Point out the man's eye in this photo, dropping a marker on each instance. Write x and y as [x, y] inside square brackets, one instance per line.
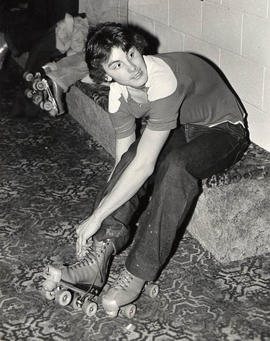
[131, 54]
[117, 65]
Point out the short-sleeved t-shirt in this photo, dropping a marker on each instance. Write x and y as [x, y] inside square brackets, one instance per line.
[181, 86]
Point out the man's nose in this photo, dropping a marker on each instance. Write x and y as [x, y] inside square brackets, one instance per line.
[131, 67]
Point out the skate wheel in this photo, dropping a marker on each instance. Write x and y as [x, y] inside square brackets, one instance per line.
[89, 308]
[53, 112]
[37, 98]
[128, 311]
[40, 85]
[28, 76]
[151, 290]
[76, 301]
[47, 105]
[34, 84]
[63, 297]
[49, 295]
[28, 93]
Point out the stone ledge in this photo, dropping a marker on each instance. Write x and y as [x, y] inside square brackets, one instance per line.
[92, 118]
[232, 222]
[232, 216]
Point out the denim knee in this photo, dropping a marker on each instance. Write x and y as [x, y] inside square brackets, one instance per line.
[173, 162]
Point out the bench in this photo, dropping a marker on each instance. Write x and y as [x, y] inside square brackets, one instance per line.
[232, 217]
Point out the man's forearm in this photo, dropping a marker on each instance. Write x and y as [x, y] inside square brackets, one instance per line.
[128, 184]
[135, 175]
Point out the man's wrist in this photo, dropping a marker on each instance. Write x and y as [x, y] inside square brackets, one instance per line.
[98, 216]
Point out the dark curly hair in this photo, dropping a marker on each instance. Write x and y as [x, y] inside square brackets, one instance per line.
[102, 38]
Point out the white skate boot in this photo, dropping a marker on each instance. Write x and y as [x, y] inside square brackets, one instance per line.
[124, 291]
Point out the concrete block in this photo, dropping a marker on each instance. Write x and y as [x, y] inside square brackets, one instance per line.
[256, 39]
[154, 9]
[185, 16]
[102, 11]
[142, 21]
[255, 7]
[217, 2]
[266, 94]
[259, 123]
[245, 76]
[222, 27]
[196, 45]
[170, 39]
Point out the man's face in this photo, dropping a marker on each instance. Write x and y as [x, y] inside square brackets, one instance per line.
[126, 68]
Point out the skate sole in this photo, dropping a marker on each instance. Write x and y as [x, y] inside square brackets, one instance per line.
[129, 310]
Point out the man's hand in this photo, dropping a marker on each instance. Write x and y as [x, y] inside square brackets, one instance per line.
[84, 231]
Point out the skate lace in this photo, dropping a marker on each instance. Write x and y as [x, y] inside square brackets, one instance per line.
[91, 256]
[88, 259]
[123, 280]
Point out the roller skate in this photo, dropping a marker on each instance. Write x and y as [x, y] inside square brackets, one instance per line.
[79, 284]
[126, 289]
[44, 92]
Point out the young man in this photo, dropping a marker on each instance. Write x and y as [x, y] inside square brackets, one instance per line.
[194, 127]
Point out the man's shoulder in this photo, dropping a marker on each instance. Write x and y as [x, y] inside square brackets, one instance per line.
[162, 81]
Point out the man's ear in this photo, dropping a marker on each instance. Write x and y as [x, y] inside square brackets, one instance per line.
[108, 78]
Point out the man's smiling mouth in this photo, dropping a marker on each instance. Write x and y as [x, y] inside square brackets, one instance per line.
[137, 75]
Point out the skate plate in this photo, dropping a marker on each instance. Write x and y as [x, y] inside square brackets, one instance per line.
[80, 297]
[40, 93]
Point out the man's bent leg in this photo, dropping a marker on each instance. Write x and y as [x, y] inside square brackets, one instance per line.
[139, 267]
[175, 188]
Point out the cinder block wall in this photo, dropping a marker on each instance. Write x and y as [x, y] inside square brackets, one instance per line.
[235, 34]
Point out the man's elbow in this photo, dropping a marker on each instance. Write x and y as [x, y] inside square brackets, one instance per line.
[150, 170]
[144, 166]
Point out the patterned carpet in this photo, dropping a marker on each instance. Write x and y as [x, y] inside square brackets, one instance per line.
[50, 172]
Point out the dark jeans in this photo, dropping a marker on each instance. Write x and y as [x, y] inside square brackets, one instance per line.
[191, 153]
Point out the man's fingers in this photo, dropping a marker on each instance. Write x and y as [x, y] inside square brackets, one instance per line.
[78, 244]
[81, 242]
[84, 231]
[78, 229]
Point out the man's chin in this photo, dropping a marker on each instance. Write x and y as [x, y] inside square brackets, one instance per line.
[135, 83]
[139, 83]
